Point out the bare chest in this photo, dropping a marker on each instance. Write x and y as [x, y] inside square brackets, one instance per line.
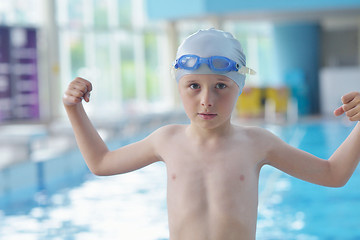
[219, 176]
[213, 188]
[221, 163]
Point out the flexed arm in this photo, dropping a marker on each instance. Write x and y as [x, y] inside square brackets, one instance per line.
[334, 172]
[89, 142]
[99, 159]
[346, 158]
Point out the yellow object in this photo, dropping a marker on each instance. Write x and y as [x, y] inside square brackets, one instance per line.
[249, 103]
[280, 96]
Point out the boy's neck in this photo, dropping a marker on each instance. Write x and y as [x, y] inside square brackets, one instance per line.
[204, 135]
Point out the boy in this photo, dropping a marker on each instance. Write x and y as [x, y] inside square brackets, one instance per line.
[212, 165]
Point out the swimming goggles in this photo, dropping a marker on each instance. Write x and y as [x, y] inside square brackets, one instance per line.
[216, 64]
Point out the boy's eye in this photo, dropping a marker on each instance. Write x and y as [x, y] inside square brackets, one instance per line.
[194, 86]
[220, 86]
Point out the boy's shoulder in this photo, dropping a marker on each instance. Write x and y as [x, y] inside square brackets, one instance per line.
[257, 139]
[166, 135]
[253, 133]
[169, 130]
[250, 129]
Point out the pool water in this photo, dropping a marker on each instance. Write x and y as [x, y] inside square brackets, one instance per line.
[294, 209]
[133, 205]
[118, 207]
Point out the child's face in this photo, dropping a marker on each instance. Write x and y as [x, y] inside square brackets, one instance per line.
[208, 99]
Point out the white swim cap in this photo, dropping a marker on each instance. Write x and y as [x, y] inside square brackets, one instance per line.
[212, 42]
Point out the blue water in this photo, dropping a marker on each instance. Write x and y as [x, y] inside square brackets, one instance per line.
[126, 206]
[133, 206]
[294, 209]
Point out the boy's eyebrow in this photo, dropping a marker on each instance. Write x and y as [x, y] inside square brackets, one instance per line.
[190, 81]
[223, 79]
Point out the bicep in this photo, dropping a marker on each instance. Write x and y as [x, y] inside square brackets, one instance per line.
[298, 163]
[128, 158]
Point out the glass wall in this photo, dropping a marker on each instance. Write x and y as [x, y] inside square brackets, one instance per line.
[257, 41]
[126, 56]
[19, 12]
[110, 43]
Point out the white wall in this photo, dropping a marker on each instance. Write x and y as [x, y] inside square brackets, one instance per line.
[334, 83]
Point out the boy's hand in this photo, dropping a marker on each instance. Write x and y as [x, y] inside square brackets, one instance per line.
[351, 106]
[77, 90]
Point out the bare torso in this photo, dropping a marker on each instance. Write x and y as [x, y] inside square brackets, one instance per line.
[212, 187]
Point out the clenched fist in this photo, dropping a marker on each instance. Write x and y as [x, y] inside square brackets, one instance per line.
[351, 106]
[77, 90]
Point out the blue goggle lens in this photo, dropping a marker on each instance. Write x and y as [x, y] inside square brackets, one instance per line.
[188, 62]
[215, 63]
[220, 63]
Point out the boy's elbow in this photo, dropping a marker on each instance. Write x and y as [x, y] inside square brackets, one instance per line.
[336, 177]
[97, 165]
[98, 172]
[94, 170]
[338, 182]
[337, 185]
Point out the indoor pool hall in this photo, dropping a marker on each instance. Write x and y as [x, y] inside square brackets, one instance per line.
[200, 120]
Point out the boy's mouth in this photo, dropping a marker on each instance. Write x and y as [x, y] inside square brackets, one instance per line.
[207, 116]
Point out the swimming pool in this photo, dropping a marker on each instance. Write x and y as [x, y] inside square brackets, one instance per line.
[293, 209]
[133, 206]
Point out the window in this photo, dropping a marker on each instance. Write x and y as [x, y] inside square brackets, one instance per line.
[256, 40]
[19, 12]
[151, 67]
[108, 42]
[127, 67]
[77, 52]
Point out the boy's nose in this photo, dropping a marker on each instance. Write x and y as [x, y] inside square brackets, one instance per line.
[207, 98]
